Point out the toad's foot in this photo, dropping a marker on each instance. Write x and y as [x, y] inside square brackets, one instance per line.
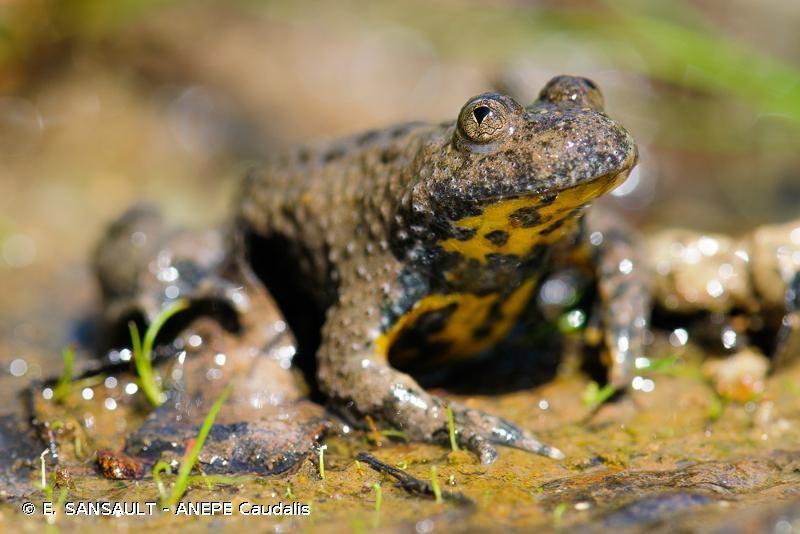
[425, 417]
[479, 432]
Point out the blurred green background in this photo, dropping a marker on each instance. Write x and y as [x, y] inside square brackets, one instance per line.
[104, 102]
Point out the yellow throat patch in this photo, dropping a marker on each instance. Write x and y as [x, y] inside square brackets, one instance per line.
[499, 217]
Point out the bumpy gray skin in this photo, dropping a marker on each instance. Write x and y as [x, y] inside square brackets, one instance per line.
[364, 220]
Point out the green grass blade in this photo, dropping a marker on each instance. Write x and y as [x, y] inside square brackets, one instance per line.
[451, 428]
[143, 350]
[378, 496]
[437, 491]
[378, 503]
[161, 467]
[182, 481]
[322, 449]
[158, 323]
[392, 433]
[64, 384]
[594, 395]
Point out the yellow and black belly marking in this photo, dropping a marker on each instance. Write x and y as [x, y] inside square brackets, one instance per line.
[447, 327]
[516, 226]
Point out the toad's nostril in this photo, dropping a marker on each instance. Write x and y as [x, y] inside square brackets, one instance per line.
[480, 113]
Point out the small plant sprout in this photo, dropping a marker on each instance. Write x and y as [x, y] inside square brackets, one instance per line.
[665, 366]
[378, 502]
[322, 449]
[374, 434]
[204, 478]
[161, 467]
[451, 428]
[289, 494]
[44, 467]
[143, 350]
[210, 480]
[182, 480]
[63, 386]
[558, 514]
[49, 488]
[378, 497]
[392, 433]
[594, 396]
[716, 407]
[358, 466]
[437, 491]
[62, 498]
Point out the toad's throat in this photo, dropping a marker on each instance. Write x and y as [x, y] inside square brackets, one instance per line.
[516, 226]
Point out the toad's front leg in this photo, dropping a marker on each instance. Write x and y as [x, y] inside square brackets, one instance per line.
[774, 268]
[354, 372]
[624, 289]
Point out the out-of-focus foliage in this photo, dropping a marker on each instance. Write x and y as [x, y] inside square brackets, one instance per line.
[674, 45]
[711, 91]
[666, 41]
[34, 31]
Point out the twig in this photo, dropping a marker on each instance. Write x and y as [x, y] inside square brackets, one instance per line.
[412, 484]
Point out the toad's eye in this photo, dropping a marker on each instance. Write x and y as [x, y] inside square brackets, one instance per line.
[572, 92]
[484, 119]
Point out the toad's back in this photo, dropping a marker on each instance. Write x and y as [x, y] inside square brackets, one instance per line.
[333, 203]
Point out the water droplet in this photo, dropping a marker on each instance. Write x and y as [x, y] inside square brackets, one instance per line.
[213, 374]
[576, 318]
[715, 288]
[172, 292]
[708, 246]
[729, 338]
[18, 367]
[679, 337]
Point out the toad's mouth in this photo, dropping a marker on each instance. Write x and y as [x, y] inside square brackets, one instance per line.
[574, 191]
[574, 196]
